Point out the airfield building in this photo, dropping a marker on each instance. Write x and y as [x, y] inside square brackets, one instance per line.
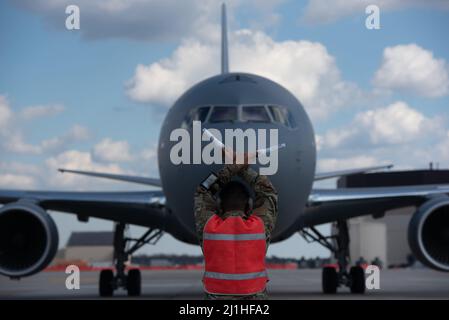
[386, 238]
[91, 247]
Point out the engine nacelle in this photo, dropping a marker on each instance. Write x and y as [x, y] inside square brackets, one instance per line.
[28, 239]
[428, 233]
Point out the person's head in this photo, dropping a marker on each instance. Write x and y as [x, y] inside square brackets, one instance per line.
[234, 196]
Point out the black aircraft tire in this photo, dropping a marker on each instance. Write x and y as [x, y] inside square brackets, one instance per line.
[329, 280]
[105, 284]
[133, 283]
[357, 275]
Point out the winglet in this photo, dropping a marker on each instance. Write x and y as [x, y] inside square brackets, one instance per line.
[224, 41]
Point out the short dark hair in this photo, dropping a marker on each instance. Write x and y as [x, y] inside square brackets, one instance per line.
[234, 196]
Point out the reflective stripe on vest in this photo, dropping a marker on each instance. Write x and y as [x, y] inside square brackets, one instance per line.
[234, 254]
[235, 276]
[234, 237]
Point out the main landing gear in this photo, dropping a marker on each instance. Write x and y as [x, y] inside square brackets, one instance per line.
[338, 244]
[109, 282]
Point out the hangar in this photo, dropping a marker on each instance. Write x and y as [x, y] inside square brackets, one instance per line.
[385, 237]
[91, 247]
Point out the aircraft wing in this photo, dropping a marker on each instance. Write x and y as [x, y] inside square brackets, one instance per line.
[119, 177]
[336, 174]
[329, 205]
[145, 208]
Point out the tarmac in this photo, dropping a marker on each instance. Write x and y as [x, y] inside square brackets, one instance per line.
[186, 284]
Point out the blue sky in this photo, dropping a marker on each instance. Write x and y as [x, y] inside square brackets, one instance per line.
[67, 96]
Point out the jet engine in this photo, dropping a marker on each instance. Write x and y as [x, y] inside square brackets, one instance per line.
[28, 239]
[428, 233]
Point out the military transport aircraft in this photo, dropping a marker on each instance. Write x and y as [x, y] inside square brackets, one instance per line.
[29, 237]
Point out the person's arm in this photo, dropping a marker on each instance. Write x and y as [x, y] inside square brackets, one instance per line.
[266, 199]
[205, 204]
[205, 207]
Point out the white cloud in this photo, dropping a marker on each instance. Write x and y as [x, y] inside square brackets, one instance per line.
[395, 124]
[45, 175]
[18, 175]
[318, 142]
[443, 149]
[335, 138]
[108, 150]
[162, 82]
[411, 68]
[396, 134]
[14, 142]
[149, 153]
[149, 20]
[5, 113]
[333, 164]
[75, 160]
[19, 168]
[33, 112]
[104, 156]
[12, 139]
[75, 134]
[79, 132]
[319, 11]
[132, 19]
[12, 181]
[305, 68]
[405, 156]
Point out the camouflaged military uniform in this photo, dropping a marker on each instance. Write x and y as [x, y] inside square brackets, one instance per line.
[265, 207]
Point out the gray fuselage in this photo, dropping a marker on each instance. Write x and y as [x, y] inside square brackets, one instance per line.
[296, 163]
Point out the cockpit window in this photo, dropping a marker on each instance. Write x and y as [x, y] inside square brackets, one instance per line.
[201, 114]
[255, 114]
[291, 120]
[223, 114]
[198, 114]
[244, 113]
[282, 115]
[278, 115]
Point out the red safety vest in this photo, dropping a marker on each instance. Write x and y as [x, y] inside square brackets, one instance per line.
[234, 253]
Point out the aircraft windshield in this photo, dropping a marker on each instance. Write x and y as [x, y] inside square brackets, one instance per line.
[282, 116]
[223, 114]
[255, 114]
[198, 114]
[244, 113]
[201, 114]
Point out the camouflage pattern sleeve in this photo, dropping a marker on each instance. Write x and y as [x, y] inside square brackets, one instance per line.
[266, 199]
[205, 207]
[205, 204]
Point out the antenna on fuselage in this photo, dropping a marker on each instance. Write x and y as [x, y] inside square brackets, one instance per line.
[224, 41]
